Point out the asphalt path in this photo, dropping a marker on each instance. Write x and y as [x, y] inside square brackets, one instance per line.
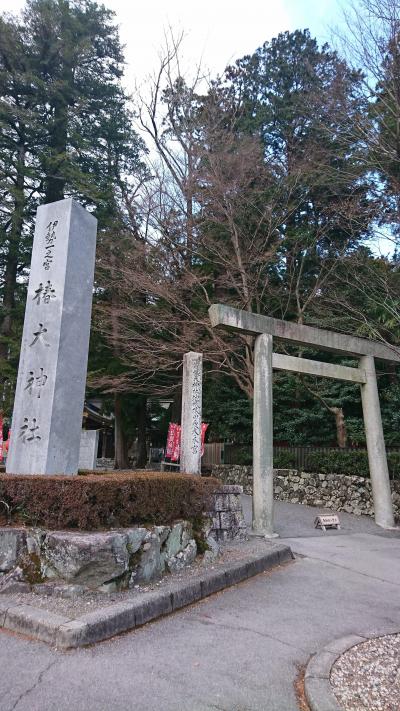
[239, 650]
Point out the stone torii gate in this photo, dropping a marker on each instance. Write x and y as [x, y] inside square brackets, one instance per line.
[266, 328]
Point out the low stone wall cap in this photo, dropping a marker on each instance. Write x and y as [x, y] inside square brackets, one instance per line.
[230, 489]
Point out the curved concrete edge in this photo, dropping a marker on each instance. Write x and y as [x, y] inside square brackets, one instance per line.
[317, 686]
[105, 622]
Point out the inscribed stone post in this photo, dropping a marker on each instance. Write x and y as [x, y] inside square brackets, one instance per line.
[190, 457]
[47, 418]
[88, 449]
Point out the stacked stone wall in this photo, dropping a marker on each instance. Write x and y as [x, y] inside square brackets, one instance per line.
[338, 492]
[228, 522]
[109, 561]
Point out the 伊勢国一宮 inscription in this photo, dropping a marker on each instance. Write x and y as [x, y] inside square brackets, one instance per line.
[50, 240]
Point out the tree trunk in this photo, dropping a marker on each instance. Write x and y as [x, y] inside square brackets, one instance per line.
[176, 407]
[341, 433]
[121, 450]
[13, 256]
[141, 434]
[61, 101]
[55, 176]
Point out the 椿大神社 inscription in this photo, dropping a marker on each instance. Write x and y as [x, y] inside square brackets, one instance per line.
[47, 418]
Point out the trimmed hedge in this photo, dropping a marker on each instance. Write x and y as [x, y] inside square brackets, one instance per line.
[282, 460]
[353, 462]
[103, 500]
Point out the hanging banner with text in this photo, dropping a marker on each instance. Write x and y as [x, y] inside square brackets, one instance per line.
[170, 440]
[1, 439]
[176, 448]
[204, 427]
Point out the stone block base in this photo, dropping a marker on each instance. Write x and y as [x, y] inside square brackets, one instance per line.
[107, 561]
[228, 522]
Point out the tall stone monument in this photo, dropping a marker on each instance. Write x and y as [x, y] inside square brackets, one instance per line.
[47, 418]
[190, 458]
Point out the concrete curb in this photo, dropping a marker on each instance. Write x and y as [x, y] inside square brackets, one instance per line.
[317, 684]
[122, 616]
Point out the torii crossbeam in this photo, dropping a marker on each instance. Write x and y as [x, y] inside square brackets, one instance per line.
[265, 329]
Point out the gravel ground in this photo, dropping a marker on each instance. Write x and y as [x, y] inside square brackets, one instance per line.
[80, 604]
[367, 677]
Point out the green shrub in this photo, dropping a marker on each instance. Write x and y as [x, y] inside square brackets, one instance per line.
[285, 460]
[393, 459]
[282, 460]
[350, 462]
[244, 456]
[338, 462]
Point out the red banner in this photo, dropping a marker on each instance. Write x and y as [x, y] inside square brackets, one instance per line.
[170, 440]
[176, 450]
[172, 449]
[204, 427]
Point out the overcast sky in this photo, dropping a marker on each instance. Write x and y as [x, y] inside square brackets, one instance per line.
[217, 31]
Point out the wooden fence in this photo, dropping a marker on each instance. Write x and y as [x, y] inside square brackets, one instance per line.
[213, 453]
[223, 453]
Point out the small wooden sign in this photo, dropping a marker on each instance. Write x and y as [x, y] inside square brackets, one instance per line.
[325, 521]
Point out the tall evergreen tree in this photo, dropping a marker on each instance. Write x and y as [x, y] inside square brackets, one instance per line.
[67, 131]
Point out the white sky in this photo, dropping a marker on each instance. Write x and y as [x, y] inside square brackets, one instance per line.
[217, 31]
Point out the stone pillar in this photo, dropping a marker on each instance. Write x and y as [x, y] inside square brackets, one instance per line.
[376, 446]
[48, 407]
[190, 456]
[263, 473]
[88, 449]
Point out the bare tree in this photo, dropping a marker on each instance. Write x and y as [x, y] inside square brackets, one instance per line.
[224, 220]
[371, 43]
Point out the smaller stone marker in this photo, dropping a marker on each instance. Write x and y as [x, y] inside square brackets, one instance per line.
[48, 406]
[190, 455]
[88, 449]
[325, 521]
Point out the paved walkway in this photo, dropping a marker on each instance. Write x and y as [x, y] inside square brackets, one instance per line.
[239, 650]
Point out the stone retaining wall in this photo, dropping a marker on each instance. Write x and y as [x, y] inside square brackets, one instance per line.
[114, 560]
[106, 561]
[333, 491]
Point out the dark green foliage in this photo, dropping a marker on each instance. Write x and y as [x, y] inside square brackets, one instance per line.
[351, 462]
[65, 130]
[227, 410]
[284, 460]
[236, 454]
[241, 455]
